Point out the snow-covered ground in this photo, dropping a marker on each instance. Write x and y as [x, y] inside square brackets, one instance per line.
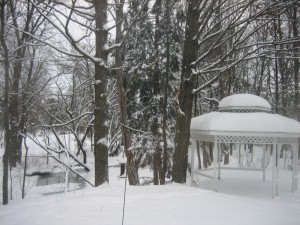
[242, 198]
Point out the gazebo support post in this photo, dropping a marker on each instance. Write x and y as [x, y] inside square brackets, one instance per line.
[219, 160]
[192, 163]
[264, 162]
[274, 171]
[239, 154]
[215, 164]
[295, 168]
[278, 149]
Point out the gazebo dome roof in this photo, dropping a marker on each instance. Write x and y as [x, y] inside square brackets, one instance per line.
[244, 103]
[239, 124]
[244, 115]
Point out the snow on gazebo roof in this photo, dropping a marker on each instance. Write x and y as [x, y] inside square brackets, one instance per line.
[244, 115]
[244, 103]
[238, 124]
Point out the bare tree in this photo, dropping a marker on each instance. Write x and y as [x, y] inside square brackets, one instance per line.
[94, 17]
[19, 22]
[6, 103]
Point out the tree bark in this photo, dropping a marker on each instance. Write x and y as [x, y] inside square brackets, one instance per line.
[5, 106]
[157, 160]
[25, 168]
[165, 94]
[132, 165]
[296, 64]
[101, 108]
[15, 145]
[184, 99]
[226, 153]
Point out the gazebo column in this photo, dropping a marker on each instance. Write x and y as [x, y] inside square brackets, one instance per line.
[278, 149]
[215, 150]
[275, 170]
[219, 160]
[295, 168]
[264, 162]
[192, 163]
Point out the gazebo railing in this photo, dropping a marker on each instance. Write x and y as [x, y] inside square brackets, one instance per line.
[244, 139]
[277, 142]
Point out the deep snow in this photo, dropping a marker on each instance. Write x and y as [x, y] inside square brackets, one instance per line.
[241, 199]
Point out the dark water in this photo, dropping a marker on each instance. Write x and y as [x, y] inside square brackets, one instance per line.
[59, 177]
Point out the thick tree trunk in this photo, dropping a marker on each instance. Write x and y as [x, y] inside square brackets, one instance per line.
[5, 180]
[182, 137]
[157, 160]
[5, 106]
[132, 167]
[184, 99]
[15, 145]
[16, 141]
[165, 101]
[101, 109]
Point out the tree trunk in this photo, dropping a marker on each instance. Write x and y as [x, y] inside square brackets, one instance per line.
[100, 108]
[205, 154]
[16, 142]
[25, 168]
[132, 167]
[296, 64]
[276, 69]
[157, 161]
[5, 180]
[165, 101]
[211, 152]
[5, 106]
[184, 99]
[15, 145]
[226, 154]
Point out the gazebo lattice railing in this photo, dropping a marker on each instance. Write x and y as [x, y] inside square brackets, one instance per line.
[277, 142]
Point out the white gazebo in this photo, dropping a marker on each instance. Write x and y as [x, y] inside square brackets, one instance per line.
[246, 119]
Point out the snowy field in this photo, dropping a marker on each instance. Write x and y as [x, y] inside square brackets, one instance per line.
[242, 199]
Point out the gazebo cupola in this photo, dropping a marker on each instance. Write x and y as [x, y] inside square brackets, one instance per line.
[244, 103]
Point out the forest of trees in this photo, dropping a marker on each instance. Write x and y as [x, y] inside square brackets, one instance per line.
[136, 72]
